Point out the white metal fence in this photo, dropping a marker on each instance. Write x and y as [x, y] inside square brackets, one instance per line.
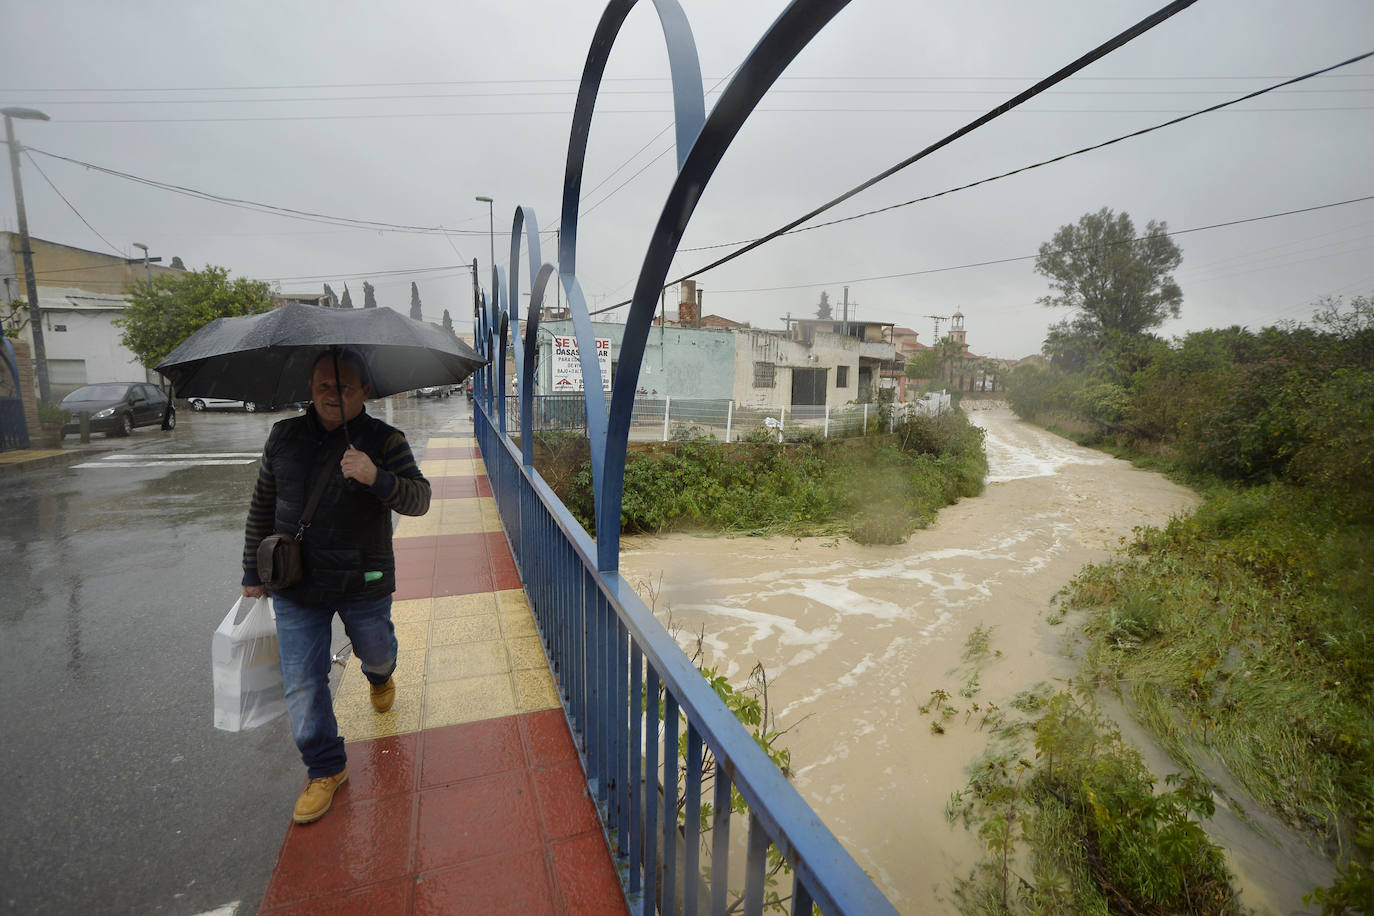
[676, 419]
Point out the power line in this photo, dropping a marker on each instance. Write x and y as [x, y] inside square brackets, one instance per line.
[255, 206]
[282, 100]
[1060, 158]
[1164, 13]
[71, 206]
[629, 79]
[367, 274]
[1028, 257]
[563, 113]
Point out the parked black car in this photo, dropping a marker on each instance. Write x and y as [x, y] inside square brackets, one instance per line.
[116, 407]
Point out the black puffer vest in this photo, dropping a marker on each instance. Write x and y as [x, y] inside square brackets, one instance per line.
[351, 532]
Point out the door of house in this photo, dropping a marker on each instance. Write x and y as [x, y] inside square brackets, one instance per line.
[14, 431]
[808, 387]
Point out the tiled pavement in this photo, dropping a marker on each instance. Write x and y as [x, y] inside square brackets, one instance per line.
[467, 796]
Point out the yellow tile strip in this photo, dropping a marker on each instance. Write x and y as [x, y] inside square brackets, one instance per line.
[452, 516]
[451, 467]
[463, 658]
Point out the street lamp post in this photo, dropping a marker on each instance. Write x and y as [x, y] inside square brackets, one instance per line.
[40, 352]
[147, 268]
[491, 227]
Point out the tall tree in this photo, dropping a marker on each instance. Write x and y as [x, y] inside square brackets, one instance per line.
[347, 301]
[369, 296]
[924, 364]
[330, 300]
[1117, 282]
[448, 323]
[176, 263]
[823, 311]
[415, 310]
[165, 312]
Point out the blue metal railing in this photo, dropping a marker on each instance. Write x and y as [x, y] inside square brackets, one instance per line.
[612, 661]
[610, 658]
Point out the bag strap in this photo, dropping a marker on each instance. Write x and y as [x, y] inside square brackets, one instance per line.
[326, 472]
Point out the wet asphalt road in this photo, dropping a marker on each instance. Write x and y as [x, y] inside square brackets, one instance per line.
[119, 795]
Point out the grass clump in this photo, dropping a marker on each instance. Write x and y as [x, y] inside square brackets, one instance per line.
[1246, 632]
[1082, 827]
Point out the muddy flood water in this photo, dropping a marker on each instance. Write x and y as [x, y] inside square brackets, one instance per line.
[855, 638]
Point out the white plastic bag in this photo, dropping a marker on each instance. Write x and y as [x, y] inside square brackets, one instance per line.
[243, 653]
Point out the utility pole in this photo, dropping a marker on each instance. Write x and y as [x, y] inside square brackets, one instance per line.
[40, 352]
[146, 262]
[476, 301]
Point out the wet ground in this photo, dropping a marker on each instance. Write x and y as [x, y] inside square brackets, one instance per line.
[120, 796]
[854, 639]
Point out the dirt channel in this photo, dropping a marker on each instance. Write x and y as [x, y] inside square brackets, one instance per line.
[855, 638]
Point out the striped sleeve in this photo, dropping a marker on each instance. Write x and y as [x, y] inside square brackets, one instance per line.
[399, 484]
[261, 515]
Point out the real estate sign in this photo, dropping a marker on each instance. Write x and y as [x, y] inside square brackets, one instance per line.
[567, 368]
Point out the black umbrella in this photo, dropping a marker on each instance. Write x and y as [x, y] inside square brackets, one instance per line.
[268, 358]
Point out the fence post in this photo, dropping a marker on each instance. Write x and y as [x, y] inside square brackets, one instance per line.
[667, 402]
[864, 432]
[729, 416]
[782, 421]
[827, 422]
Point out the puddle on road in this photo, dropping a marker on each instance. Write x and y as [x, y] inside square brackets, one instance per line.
[854, 638]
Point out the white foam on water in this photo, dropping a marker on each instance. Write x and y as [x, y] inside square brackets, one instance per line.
[1045, 456]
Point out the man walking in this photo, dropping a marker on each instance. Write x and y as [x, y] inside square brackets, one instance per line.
[350, 569]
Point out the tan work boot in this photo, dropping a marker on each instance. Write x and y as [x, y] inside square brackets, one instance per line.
[383, 695]
[317, 796]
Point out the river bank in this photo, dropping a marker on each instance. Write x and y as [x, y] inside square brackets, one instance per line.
[855, 638]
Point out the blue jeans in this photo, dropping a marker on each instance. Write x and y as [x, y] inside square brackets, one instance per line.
[303, 636]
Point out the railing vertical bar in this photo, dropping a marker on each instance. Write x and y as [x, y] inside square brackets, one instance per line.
[627, 721]
[615, 690]
[596, 716]
[635, 784]
[754, 866]
[670, 770]
[591, 727]
[606, 713]
[720, 842]
[802, 904]
[691, 850]
[578, 635]
[651, 803]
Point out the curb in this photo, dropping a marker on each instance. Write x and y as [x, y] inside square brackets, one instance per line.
[25, 460]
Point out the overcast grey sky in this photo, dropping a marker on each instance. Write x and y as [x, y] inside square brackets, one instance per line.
[405, 112]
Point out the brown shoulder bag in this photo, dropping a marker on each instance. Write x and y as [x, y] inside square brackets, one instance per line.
[279, 555]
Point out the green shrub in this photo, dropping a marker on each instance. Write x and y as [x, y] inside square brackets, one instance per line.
[1096, 834]
[879, 489]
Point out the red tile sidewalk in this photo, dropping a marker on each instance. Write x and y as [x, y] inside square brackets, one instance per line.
[488, 815]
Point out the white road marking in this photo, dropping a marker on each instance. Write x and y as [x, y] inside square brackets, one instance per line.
[139, 456]
[167, 464]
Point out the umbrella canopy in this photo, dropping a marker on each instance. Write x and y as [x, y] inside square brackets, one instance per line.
[268, 358]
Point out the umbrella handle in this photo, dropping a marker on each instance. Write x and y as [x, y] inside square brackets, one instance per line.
[338, 386]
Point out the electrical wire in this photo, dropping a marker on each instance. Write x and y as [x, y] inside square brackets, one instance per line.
[1102, 50]
[563, 113]
[1029, 257]
[70, 205]
[1060, 158]
[612, 92]
[255, 206]
[622, 79]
